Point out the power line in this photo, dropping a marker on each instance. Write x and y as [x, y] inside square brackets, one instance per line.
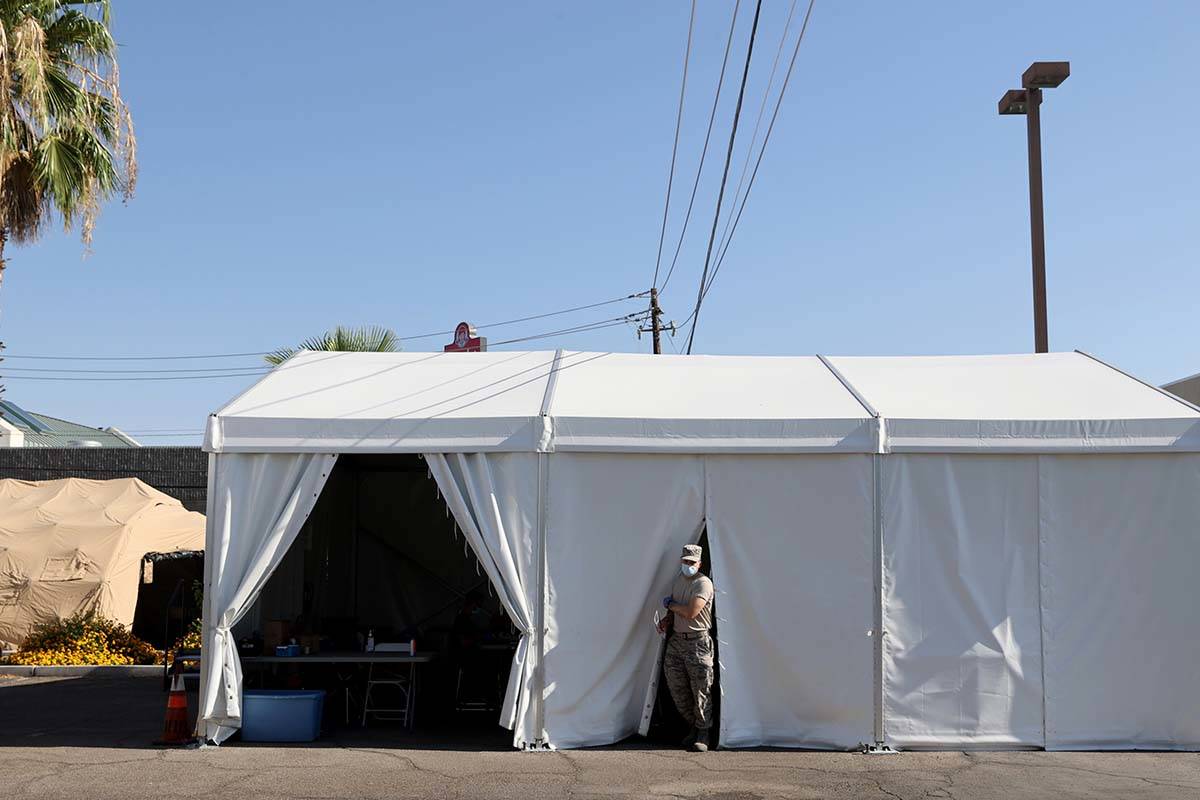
[160, 435]
[687, 54]
[127, 371]
[135, 358]
[592, 326]
[774, 115]
[762, 108]
[133, 378]
[704, 151]
[75, 435]
[737, 113]
[634, 296]
[259, 371]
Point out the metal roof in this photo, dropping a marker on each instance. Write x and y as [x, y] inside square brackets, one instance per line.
[45, 431]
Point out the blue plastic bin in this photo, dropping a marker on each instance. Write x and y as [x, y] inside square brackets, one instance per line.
[281, 715]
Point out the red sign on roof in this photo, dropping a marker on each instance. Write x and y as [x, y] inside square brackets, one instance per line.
[466, 340]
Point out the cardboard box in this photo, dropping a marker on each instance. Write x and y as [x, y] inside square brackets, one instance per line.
[275, 633]
[309, 643]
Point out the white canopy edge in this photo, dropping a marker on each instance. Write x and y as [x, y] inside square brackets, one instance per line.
[461, 435]
[1037, 436]
[586, 435]
[1066, 403]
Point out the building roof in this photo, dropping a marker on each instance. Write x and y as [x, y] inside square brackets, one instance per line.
[1188, 388]
[42, 430]
[622, 402]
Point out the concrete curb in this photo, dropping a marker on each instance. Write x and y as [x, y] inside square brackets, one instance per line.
[123, 671]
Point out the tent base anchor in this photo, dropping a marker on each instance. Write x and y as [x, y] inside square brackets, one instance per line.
[538, 746]
[877, 749]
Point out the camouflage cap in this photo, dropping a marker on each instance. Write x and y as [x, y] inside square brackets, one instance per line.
[691, 552]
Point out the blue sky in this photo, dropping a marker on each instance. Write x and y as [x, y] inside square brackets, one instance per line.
[414, 164]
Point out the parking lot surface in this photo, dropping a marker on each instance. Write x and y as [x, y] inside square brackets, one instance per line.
[92, 737]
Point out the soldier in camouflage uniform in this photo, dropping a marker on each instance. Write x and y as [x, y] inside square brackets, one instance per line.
[688, 664]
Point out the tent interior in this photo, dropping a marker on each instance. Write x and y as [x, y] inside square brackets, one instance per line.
[380, 557]
[168, 596]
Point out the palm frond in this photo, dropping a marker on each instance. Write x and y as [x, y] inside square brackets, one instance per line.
[76, 34]
[369, 339]
[66, 134]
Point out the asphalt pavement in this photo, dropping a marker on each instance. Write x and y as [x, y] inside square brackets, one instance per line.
[92, 738]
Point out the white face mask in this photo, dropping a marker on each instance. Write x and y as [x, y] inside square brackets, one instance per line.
[689, 570]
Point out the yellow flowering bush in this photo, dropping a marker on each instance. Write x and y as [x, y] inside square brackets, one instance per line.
[189, 641]
[87, 639]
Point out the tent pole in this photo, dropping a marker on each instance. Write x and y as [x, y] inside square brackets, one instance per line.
[877, 632]
[1037, 464]
[540, 738]
[206, 618]
[877, 586]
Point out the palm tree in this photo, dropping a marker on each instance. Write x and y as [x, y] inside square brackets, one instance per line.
[66, 136]
[373, 339]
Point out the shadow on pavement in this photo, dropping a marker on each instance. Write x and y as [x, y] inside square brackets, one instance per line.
[90, 711]
[128, 712]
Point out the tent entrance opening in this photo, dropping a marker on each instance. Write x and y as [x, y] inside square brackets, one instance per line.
[667, 725]
[387, 608]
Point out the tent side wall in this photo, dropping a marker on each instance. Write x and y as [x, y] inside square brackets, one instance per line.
[1120, 551]
[615, 527]
[962, 659]
[792, 557]
[1041, 601]
[787, 533]
[997, 569]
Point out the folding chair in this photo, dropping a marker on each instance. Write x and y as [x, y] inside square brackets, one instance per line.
[400, 678]
[472, 689]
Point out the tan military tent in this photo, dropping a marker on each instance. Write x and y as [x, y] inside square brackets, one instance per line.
[76, 545]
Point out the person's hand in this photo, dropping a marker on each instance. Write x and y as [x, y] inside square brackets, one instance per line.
[667, 601]
[662, 624]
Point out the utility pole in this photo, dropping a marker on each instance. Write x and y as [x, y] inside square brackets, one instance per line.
[656, 326]
[655, 323]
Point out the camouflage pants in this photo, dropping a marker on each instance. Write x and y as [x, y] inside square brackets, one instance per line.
[688, 667]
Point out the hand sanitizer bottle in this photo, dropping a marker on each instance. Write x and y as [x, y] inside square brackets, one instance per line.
[371, 640]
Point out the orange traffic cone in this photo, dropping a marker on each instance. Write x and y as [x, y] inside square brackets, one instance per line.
[175, 730]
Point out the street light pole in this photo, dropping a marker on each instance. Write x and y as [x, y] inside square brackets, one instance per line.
[1037, 222]
[1028, 101]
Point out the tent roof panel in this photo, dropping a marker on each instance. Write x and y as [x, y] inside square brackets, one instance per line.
[624, 402]
[360, 386]
[634, 386]
[1049, 386]
[631, 402]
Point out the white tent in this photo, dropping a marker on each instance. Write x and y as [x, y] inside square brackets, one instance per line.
[946, 551]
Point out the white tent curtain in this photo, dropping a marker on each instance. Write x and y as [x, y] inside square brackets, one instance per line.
[1120, 559]
[615, 527]
[962, 661]
[257, 504]
[791, 540]
[495, 500]
[997, 570]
